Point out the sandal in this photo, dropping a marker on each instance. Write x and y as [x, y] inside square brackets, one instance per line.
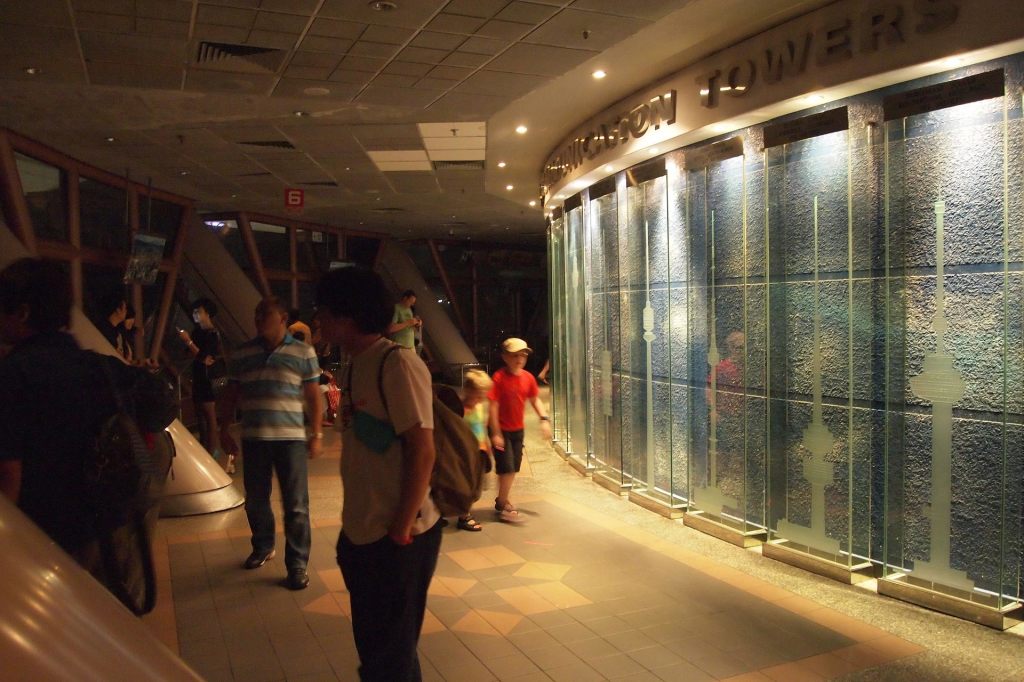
[506, 512]
[469, 523]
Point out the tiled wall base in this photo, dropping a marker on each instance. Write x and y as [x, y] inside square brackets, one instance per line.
[899, 587]
[698, 520]
[780, 550]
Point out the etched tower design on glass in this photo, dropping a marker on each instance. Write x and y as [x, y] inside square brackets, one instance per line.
[649, 336]
[943, 385]
[818, 441]
[710, 497]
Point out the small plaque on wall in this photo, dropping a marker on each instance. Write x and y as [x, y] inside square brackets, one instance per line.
[815, 125]
[943, 95]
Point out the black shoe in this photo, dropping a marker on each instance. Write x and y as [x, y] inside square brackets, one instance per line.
[257, 559]
[298, 579]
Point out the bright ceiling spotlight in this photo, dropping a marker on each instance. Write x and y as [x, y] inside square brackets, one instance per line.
[502, 164]
[509, 187]
[300, 114]
[533, 203]
[32, 70]
[609, 168]
[599, 74]
[521, 129]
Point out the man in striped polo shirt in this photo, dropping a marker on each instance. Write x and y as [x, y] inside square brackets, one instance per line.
[275, 376]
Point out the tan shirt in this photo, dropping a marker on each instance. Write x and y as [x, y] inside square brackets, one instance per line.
[372, 481]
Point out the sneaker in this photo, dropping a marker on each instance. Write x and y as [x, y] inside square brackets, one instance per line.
[230, 466]
[257, 559]
[297, 579]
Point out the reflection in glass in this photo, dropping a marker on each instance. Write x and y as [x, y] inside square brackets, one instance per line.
[162, 218]
[273, 246]
[103, 215]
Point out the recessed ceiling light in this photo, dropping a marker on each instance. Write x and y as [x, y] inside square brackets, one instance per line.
[182, 172]
[32, 70]
[814, 99]
[347, 168]
[608, 169]
[502, 164]
[382, 5]
[234, 196]
[110, 139]
[509, 187]
[654, 150]
[301, 114]
[952, 61]
[533, 203]
[521, 129]
[316, 91]
[599, 74]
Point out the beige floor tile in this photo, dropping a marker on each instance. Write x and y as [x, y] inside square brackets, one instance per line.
[499, 555]
[332, 579]
[431, 624]
[326, 605]
[470, 559]
[560, 595]
[457, 586]
[474, 623]
[526, 600]
[504, 623]
[542, 571]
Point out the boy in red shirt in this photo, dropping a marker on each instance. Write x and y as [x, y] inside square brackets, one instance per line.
[513, 386]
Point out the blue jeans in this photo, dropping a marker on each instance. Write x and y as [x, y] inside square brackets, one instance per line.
[387, 586]
[288, 458]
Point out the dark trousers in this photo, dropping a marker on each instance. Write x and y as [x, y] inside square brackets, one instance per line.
[288, 458]
[388, 585]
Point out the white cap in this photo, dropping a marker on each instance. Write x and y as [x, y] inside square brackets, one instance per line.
[514, 345]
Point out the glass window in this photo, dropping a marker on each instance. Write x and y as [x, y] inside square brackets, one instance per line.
[161, 218]
[103, 215]
[46, 196]
[362, 250]
[99, 283]
[314, 251]
[282, 288]
[272, 244]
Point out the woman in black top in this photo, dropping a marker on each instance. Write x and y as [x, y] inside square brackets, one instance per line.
[207, 355]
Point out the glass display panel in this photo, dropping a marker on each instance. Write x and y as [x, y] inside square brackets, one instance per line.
[575, 337]
[820, 361]
[103, 216]
[603, 333]
[559, 417]
[726, 338]
[644, 373]
[162, 218]
[954, 250]
[273, 245]
[46, 196]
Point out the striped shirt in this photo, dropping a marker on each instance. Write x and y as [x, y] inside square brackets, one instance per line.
[271, 387]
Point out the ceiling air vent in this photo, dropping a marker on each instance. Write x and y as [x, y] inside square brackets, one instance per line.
[261, 174]
[388, 209]
[264, 59]
[320, 183]
[458, 165]
[278, 144]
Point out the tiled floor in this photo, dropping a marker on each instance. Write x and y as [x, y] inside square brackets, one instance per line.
[589, 587]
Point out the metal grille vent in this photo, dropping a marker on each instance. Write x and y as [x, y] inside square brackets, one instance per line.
[278, 144]
[261, 174]
[320, 183]
[216, 54]
[458, 165]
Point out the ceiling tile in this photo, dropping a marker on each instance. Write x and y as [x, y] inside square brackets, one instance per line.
[296, 87]
[35, 12]
[467, 59]
[314, 59]
[407, 68]
[403, 155]
[126, 7]
[162, 27]
[283, 41]
[400, 166]
[201, 80]
[394, 80]
[450, 72]
[305, 7]
[221, 34]
[482, 45]
[539, 59]
[506, 30]
[437, 41]
[456, 154]
[648, 9]
[170, 10]
[399, 97]
[529, 13]
[499, 83]
[282, 23]
[388, 34]
[131, 49]
[566, 29]
[117, 23]
[369, 134]
[410, 13]
[326, 44]
[351, 77]
[225, 16]
[422, 55]
[454, 23]
[337, 29]
[463, 130]
[414, 182]
[129, 75]
[234, 3]
[439, 84]
[475, 8]
[313, 73]
[363, 48]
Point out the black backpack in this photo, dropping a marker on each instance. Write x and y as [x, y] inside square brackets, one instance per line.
[457, 480]
[124, 477]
